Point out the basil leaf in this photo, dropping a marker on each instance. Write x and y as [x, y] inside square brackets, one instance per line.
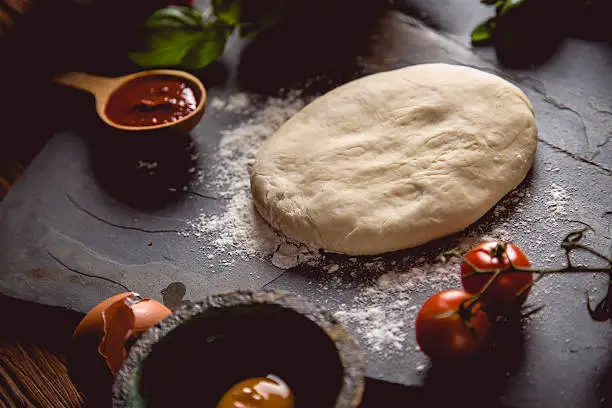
[185, 36]
[483, 33]
[176, 17]
[506, 6]
[209, 47]
[499, 6]
[166, 47]
[228, 11]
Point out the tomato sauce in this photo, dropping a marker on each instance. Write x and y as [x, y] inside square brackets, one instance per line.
[152, 100]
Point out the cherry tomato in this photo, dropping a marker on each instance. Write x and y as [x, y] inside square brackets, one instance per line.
[447, 328]
[509, 288]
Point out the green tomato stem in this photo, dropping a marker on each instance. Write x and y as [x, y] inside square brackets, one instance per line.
[569, 244]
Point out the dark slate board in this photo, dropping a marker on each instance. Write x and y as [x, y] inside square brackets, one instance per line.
[58, 220]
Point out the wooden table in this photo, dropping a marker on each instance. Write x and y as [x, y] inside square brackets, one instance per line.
[34, 341]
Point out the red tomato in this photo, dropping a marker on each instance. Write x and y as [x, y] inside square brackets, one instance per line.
[492, 256]
[443, 326]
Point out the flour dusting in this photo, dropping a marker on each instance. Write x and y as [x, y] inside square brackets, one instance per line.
[239, 231]
[384, 310]
[558, 200]
[383, 314]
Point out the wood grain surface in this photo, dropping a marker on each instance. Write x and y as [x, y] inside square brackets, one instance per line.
[34, 377]
[34, 341]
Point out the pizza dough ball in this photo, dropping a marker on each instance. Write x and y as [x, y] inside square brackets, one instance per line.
[396, 159]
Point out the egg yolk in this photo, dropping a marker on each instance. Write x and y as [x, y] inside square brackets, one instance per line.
[258, 392]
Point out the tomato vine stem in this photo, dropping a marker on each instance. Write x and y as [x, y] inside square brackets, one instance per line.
[571, 243]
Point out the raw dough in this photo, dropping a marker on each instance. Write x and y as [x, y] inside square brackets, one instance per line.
[396, 159]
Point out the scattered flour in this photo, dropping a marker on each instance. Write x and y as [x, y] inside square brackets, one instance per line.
[558, 200]
[333, 268]
[382, 314]
[239, 230]
[217, 103]
[239, 145]
[146, 165]
[238, 102]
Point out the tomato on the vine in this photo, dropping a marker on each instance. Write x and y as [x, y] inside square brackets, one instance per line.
[509, 288]
[451, 325]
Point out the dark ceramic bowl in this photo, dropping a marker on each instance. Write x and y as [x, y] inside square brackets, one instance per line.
[194, 356]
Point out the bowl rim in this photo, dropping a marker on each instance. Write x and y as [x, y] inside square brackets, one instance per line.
[101, 105]
[125, 388]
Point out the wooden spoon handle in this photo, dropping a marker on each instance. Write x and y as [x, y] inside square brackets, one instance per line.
[99, 86]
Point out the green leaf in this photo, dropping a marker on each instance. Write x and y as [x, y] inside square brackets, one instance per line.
[209, 46]
[483, 33]
[503, 6]
[184, 36]
[177, 36]
[228, 11]
[165, 47]
[176, 17]
[509, 5]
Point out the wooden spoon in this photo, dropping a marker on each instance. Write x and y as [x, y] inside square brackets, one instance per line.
[102, 88]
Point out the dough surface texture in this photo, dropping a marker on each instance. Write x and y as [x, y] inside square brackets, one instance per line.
[395, 159]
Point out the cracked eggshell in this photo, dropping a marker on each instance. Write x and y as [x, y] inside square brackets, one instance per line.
[87, 368]
[147, 312]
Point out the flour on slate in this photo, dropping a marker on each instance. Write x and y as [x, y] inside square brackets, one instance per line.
[383, 314]
[239, 231]
[384, 311]
[558, 199]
